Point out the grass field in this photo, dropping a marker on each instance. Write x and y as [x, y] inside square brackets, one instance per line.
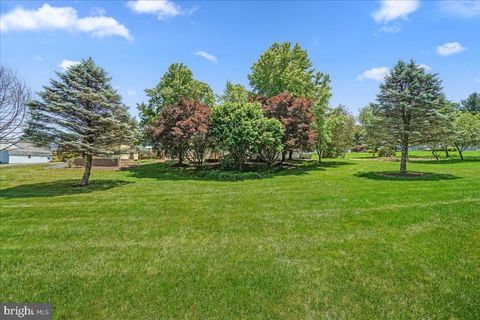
[338, 240]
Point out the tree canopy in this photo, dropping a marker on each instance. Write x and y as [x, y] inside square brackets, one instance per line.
[234, 93]
[296, 117]
[471, 104]
[283, 68]
[176, 83]
[182, 128]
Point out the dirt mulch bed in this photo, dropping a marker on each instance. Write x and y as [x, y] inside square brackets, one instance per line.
[407, 175]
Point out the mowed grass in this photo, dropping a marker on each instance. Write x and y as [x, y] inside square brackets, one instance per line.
[335, 241]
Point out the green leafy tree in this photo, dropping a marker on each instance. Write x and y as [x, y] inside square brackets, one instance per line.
[270, 140]
[283, 68]
[80, 113]
[467, 132]
[234, 93]
[176, 83]
[373, 134]
[240, 129]
[341, 128]
[471, 104]
[409, 100]
[322, 130]
[442, 129]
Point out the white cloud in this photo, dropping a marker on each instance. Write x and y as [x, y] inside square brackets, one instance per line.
[477, 80]
[97, 11]
[450, 48]
[207, 56]
[394, 9]
[464, 9]
[163, 9]
[65, 64]
[377, 74]
[131, 92]
[61, 18]
[390, 29]
[425, 67]
[38, 58]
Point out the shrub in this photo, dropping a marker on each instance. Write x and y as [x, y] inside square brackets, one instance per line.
[386, 152]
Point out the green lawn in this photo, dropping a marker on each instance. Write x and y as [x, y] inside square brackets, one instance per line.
[333, 241]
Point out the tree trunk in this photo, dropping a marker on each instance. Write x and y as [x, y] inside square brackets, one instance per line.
[88, 169]
[460, 153]
[284, 156]
[180, 157]
[446, 152]
[290, 154]
[403, 160]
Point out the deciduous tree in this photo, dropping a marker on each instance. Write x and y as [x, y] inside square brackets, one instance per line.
[341, 128]
[176, 83]
[471, 104]
[467, 132]
[283, 68]
[182, 130]
[373, 134]
[240, 129]
[14, 95]
[82, 114]
[234, 93]
[296, 116]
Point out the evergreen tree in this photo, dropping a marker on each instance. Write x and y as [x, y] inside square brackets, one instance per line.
[409, 100]
[82, 114]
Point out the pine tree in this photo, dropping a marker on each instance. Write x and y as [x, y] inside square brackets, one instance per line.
[410, 100]
[81, 113]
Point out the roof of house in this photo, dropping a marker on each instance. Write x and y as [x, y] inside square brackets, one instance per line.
[28, 149]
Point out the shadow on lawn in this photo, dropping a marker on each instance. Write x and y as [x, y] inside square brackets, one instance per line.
[164, 171]
[412, 176]
[58, 188]
[445, 161]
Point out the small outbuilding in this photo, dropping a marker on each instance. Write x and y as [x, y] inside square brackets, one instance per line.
[24, 152]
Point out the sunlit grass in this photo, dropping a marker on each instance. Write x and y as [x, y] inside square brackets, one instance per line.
[333, 240]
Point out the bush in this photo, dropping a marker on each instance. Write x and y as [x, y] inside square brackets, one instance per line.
[386, 152]
[241, 129]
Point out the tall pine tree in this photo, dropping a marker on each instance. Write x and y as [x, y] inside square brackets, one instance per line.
[81, 113]
[410, 100]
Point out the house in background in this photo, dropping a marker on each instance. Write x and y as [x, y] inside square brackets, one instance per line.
[124, 155]
[24, 152]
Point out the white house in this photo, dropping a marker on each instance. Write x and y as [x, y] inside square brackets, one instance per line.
[24, 152]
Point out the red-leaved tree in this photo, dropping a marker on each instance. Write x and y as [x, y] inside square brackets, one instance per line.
[296, 117]
[182, 130]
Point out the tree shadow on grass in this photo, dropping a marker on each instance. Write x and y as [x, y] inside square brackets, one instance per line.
[58, 188]
[165, 171]
[446, 161]
[412, 176]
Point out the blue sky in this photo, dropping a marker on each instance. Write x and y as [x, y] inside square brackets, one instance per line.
[355, 42]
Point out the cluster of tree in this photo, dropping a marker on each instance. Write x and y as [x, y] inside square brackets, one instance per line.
[412, 110]
[282, 113]
[81, 114]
